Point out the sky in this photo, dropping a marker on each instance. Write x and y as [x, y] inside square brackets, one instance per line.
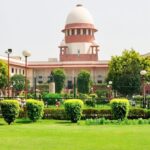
[36, 25]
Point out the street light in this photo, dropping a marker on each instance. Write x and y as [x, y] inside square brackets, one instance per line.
[143, 73]
[26, 54]
[74, 87]
[110, 88]
[9, 51]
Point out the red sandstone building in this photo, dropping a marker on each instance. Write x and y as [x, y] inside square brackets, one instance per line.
[78, 50]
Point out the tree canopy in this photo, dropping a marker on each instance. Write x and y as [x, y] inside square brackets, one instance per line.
[18, 82]
[3, 74]
[59, 79]
[124, 72]
[83, 81]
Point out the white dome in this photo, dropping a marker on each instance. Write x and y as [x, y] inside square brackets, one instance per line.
[79, 14]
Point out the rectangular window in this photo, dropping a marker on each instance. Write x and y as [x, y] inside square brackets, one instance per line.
[12, 70]
[84, 31]
[72, 32]
[70, 85]
[99, 81]
[78, 31]
[68, 33]
[40, 82]
[40, 77]
[89, 32]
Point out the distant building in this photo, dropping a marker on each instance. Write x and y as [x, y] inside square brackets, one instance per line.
[78, 50]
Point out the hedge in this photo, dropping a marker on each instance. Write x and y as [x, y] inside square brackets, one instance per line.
[88, 113]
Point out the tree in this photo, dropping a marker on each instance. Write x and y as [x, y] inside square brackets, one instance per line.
[83, 81]
[3, 74]
[18, 82]
[59, 79]
[124, 72]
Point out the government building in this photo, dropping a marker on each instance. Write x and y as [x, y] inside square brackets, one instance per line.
[78, 51]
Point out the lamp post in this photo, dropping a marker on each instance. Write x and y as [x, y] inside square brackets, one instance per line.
[9, 51]
[143, 73]
[26, 54]
[110, 88]
[74, 87]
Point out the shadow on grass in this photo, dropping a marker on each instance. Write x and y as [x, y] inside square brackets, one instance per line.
[23, 121]
[2, 124]
[63, 122]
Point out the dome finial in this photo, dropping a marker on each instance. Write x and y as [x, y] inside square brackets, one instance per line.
[79, 5]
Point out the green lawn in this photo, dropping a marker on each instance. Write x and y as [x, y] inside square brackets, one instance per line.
[61, 135]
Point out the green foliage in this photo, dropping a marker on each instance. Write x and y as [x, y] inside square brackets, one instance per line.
[3, 74]
[18, 82]
[101, 96]
[51, 98]
[90, 102]
[83, 81]
[97, 113]
[10, 110]
[124, 72]
[135, 113]
[93, 95]
[34, 109]
[73, 108]
[103, 121]
[59, 79]
[51, 113]
[120, 108]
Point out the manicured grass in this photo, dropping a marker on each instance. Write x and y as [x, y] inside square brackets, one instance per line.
[62, 135]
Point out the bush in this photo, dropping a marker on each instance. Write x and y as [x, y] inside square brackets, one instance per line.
[34, 109]
[73, 108]
[120, 108]
[10, 110]
[51, 98]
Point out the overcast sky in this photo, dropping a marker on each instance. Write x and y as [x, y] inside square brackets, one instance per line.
[36, 25]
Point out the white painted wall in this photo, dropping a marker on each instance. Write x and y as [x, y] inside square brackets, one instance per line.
[83, 47]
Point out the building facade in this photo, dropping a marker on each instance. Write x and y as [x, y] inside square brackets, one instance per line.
[78, 51]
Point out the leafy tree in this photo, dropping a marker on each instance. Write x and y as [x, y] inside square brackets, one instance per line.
[59, 79]
[3, 74]
[18, 82]
[83, 81]
[124, 72]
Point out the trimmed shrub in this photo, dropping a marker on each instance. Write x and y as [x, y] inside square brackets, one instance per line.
[34, 109]
[120, 108]
[73, 109]
[10, 110]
